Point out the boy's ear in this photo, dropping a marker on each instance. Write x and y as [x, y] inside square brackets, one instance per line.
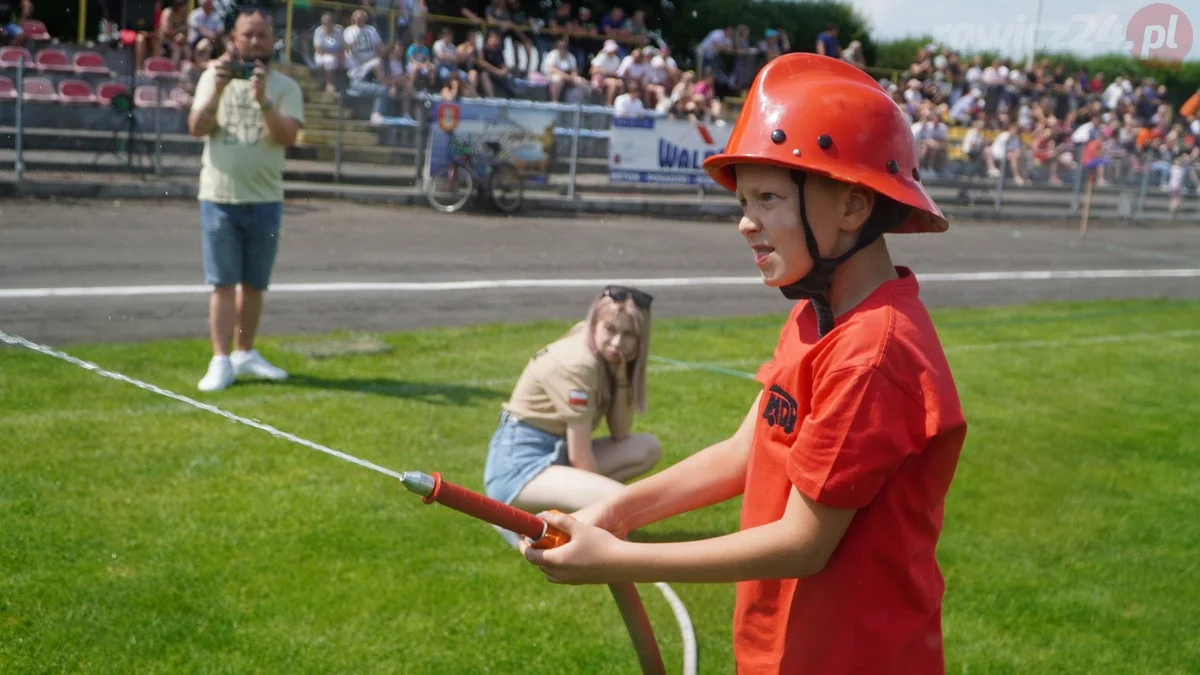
[858, 204]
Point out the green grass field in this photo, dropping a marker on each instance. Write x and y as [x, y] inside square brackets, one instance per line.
[140, 535]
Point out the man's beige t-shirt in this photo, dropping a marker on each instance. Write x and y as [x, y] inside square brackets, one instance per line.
[563, 384]
[241, 164]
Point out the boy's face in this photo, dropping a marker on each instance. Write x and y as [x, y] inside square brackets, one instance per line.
[771, 222]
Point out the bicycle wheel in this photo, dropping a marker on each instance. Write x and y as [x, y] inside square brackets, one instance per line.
[506, 187]
[450, 188]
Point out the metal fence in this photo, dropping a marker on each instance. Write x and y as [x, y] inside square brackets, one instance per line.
[342, 146]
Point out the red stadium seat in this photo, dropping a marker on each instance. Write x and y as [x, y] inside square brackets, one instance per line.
[8, 90]
[53, 60]
[35, 30]
[159, 66]
[10, 57]
[146, 96]
[87, 63]
[75, 92]
[39, 90]
[106, 91]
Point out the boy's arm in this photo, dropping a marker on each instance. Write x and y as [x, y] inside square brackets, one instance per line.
[797, 545]
[711, 476]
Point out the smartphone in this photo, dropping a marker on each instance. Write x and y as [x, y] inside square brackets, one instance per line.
[241, 70]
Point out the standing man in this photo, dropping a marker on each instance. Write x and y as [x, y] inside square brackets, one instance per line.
[248, 113]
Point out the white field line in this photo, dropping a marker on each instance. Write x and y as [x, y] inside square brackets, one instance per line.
[662, 365]
[499, 284]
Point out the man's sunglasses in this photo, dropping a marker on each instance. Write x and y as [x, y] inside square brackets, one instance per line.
[622, 293]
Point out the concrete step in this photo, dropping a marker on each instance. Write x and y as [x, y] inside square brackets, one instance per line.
[326, 111]
[323, 124]
[349, 138]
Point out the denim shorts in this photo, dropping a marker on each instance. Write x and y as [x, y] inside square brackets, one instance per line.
[239, 242]
[518, 452]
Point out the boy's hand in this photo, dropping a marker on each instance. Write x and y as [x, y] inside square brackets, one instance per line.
[602, 515]
[589, 558]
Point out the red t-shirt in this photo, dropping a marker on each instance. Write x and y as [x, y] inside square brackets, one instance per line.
[866, 418]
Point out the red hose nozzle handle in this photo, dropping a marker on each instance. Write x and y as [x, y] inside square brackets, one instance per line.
[495, 512]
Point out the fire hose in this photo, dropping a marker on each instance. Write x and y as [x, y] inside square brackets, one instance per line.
[433, 489]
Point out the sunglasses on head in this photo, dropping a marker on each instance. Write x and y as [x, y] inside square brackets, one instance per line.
[622, 293]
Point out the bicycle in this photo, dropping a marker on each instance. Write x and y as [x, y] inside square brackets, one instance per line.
[470, 174]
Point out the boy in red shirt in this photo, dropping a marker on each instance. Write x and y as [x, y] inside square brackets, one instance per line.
[845, 458]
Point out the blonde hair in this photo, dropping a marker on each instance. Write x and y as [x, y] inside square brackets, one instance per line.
[604, 306]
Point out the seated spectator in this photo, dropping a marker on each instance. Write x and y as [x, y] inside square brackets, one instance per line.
[1046, 152]
[202, 23]
[630, 104]
[10, 29]
[605, 72]
[173, 32]
[633, 68]
[468, 63]
[364, 59]
[499, 15]
[559, 66]
[495, 76]
[930, 134]
[445, 60]
[420, 69]
[191, 70]
[967, 107]
[973, 145]
[705, 96]
[661, 77]
[364, 49]
[329, 49]
[1006, 149]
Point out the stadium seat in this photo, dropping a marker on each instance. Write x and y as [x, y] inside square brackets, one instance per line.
[10, 57]
[145, 97]
[8, 90]
[87, 63]
[76, 92]
[39, 89]
[159, 66]
[35, 30]
[106, 91]
[53, 60]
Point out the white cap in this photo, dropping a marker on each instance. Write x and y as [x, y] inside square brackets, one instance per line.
[611, 46]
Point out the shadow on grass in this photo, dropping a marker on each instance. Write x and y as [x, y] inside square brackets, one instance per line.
[671, 536]
[427, 392]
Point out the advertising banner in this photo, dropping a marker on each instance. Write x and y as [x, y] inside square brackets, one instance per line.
[650, 150]
[524, 137]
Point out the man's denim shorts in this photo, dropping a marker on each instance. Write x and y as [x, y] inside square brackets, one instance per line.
[240, 242]
[518, 452]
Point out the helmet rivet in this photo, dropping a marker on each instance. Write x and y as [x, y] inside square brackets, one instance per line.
[892, 166]
[796, 152]
[778, 136]
[824, 141]
[916, 175]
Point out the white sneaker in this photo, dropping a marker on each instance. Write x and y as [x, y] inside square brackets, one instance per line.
[220, 374]
[252, 363]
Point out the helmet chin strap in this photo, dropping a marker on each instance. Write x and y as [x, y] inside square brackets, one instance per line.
[815, 285]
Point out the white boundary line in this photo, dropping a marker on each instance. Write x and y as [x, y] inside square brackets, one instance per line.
[498, 284]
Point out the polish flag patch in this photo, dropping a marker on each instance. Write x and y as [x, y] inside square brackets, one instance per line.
[577, 398]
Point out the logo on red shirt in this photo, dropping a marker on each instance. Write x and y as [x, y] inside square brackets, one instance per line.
[781, 409]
